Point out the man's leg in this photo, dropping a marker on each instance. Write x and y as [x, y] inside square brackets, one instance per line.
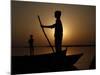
[57, 46]
[31, 51]
[58, 43]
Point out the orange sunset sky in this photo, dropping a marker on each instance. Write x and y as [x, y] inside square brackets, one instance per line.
[78, 23]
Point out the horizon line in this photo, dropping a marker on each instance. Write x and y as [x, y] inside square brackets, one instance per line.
[54, 46]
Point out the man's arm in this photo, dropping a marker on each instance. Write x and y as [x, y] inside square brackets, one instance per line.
[50, 26]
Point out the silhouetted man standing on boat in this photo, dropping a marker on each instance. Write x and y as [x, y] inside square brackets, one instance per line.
[58, 31]
[30, 41]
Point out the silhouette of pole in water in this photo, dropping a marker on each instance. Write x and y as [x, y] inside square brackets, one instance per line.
[58, 31]
[30, 41]
[45, 34]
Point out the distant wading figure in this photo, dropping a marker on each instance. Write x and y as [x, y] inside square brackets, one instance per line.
[30, 41]
[58, 31]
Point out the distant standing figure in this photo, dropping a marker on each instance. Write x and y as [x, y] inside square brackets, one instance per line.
[58, 31]
[30, 41]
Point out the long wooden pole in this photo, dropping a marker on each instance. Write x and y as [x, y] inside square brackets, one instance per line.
[45, 35]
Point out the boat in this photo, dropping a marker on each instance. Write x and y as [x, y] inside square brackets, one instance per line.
[43, 63]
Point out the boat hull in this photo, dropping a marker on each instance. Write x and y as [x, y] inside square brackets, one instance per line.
[43, 63]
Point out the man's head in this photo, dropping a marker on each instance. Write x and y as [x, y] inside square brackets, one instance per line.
[31, 36]
[57, 14]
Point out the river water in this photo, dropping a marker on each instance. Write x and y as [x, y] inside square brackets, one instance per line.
[83, 63]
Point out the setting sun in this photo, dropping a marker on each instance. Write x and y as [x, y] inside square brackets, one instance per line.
[65, 33]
